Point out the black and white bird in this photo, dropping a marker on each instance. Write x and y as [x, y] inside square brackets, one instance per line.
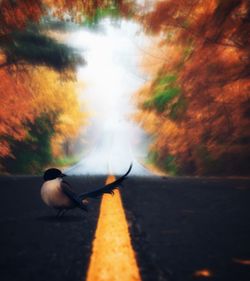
[58, 194]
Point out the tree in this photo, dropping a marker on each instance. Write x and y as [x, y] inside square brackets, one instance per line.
[22, 41]
[42, 116]
[200, 92]
[31, 47]
[33, 152]
[15, 109]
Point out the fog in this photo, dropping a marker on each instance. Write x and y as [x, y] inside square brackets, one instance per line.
[112, 76]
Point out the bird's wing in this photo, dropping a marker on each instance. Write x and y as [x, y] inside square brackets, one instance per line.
[109, 188]
[66, 188]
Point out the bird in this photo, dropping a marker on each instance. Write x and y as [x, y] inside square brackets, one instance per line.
[57, 193]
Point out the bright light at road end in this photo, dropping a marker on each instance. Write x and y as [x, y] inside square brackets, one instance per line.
[111, 76]
[113, 258]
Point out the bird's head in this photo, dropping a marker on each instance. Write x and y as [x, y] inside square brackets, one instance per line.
[52, 174]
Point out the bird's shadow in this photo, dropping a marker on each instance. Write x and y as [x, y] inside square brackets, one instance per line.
[64, 219]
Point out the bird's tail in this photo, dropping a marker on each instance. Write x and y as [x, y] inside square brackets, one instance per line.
[108, 188]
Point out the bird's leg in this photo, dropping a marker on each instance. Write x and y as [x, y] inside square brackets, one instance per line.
[63, 212]
[83, 207]
[59, 213]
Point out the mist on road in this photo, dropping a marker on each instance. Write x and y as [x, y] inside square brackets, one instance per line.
[112, 76]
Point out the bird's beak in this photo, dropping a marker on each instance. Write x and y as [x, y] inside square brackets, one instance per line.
[63, 175]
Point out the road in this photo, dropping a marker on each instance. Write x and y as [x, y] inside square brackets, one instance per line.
[181, 228]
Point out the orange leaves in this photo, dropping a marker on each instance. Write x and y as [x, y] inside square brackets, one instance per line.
[2, 58]
[52, 95]
[163, 15]
[26, 96]
[4, 148]
[184, 17]
[207, 50]
[15, 108]
[16, 14]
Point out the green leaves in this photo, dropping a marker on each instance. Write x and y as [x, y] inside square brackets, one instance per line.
[111, 11]
[170, 165]
[167, 80]
[32, 47]
[163, 98]
[34, 152]
[165, 90]
[167, 163]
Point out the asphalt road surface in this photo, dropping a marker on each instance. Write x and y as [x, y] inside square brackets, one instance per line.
[182, 229]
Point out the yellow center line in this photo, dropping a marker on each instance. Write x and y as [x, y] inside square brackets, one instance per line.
[113, 258]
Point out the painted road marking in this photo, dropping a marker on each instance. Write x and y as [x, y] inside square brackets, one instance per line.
[113, 258]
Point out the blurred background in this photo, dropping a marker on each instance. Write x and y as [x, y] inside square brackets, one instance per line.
[94, 85]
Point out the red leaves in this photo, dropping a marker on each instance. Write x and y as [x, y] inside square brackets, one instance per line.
[16, 14]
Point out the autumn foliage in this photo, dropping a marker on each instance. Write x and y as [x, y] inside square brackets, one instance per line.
[35, 116]
[40, 114]
[197, 104]
[39, 98]
[16, 14]
[15, 108]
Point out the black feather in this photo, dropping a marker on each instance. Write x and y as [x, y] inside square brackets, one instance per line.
[109, 188]
[66, 188]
